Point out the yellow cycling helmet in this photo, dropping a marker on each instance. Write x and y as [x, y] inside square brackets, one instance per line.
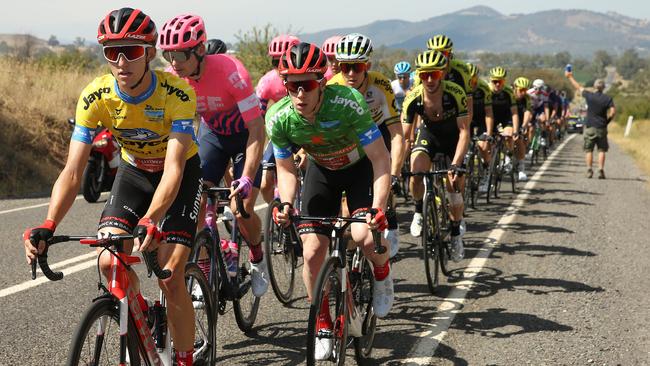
[473, 69]
[522, 83]
[440, 42]
[498, 73]
[431, 60]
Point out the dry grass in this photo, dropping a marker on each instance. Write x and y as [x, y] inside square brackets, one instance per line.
[637, 144]
[34, 107]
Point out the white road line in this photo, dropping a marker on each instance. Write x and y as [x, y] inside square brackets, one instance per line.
[76, 268]
[422, 353]
[32, 206]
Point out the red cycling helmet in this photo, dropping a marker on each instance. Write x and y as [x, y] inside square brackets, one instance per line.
[280, 44]
[127, 23]
[183, 31]
[303, 58]
[329, 46]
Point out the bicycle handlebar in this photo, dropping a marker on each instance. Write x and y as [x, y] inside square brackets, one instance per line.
[223, 193]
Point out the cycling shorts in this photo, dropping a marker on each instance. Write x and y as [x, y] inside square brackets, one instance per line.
[217, 151]
[322, 191]
[131, 196]
[440, 137]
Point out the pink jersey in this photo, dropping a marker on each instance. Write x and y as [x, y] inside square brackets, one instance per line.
[224, 95]
[270, 87]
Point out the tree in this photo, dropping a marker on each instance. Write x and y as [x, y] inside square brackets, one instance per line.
[4, 47]
[252, 50]
[52, 41]
[79, 42]
[629, 63]
[601, 60]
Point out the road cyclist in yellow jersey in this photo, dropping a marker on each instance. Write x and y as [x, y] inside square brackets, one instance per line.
[231, 129]
[158, 184]
[482, 120]
[353, 54]
[442, 105]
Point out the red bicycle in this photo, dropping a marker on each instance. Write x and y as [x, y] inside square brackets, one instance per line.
[116, 329]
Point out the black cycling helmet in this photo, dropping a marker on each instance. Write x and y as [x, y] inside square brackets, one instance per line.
[215, 46]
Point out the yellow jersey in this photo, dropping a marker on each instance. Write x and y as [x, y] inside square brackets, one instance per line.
[142, 124]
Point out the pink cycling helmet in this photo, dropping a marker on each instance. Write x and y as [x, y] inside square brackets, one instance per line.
[182, 32]
[329, 46]
[281, 44]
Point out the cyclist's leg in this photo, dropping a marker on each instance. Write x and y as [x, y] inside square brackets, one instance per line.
[420, 162]
[320, 197]
[178, 229]
[214, 163]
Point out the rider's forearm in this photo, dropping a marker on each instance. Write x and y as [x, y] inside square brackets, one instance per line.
[515, 120]
[64, 193]
[287, 179]
[254, 147]
[396, 148]
[489, 121]
[461, 146]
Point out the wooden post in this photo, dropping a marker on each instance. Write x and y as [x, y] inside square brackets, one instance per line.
[628, 128]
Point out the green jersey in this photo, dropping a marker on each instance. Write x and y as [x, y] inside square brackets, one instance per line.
[335, 140]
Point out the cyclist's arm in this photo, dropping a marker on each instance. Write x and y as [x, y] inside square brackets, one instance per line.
[528, 116]
[396, 148]
[67, 184]
[463, 139]
[489, 120]
[380, 159]
[172, 176]
[515, 119]
[287, 178]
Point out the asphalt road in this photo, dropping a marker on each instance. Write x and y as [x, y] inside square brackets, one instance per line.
[555, 274]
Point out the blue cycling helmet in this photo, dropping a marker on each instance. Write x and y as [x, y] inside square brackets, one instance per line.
[402, 67]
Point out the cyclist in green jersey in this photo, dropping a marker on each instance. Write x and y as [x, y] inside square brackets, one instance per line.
[347, 153]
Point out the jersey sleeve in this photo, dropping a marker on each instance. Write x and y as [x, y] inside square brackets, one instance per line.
[410, 103]
[390, 105]
[181, 106]
[487, 92]
[464, 72]
[240, 87]
[88, 114]
[359, 116]
[276, 118]
[511, 96]
[459, 96]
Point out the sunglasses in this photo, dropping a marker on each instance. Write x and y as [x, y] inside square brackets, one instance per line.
[357, 67]
[403, 76]
[435, 75]
[498, 81]
[305, 85]
[178, 56]
[130, 52]
[522, 90]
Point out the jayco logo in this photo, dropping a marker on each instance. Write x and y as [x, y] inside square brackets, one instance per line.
[96, 95]
[348, 103]
[174, 90]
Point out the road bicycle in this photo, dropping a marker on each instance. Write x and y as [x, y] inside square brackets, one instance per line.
[498, 168]
[115, 329]
[346, 281]
[207, 250]
[475, 171]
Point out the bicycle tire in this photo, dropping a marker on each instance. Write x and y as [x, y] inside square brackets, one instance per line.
[362, 285]
[328, 281]
[102, 307]
[245, 307]
[428, 237]
[207, 353]
[492, 173]
[204, 241]
[280, 259]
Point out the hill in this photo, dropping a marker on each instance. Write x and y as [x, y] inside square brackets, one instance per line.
[481, 28]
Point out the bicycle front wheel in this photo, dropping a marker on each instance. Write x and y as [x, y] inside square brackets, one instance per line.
[430, 252]
[97, 340]
[362, 284]
[205, 316]
[280, 258]
[245, 306]
[328, 284]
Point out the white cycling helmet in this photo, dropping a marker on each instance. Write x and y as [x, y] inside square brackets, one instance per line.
[354, 47]
[538, 84]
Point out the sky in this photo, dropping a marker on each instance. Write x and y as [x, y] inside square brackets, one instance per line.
[68, 19]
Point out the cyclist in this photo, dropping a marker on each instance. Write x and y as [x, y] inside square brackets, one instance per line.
[158, 184]
[402, 83]
[353, 54]
[541, 111]
[231, 126]
[333, 124]
[524, 110]
[442, 105]
[482, 119]
[457, 70]
[555, 108]
[270, 89]
[329, 48]
[504, 107]
[215, 46]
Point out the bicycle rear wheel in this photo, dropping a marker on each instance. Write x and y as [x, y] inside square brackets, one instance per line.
[280, 258]
[205, 316]
[328, 283]
[246, 306]
[429, 251]
[97, 339]
[492, 174]
[362, 284]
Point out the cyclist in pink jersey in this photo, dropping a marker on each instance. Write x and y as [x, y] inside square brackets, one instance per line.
[329, 49]
[231, 126]
[271, 89]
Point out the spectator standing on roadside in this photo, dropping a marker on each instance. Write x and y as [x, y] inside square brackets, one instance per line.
[600, 111]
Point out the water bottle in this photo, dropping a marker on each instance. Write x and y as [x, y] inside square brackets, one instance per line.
[160, 319]
[568, 68]
[234, 258]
